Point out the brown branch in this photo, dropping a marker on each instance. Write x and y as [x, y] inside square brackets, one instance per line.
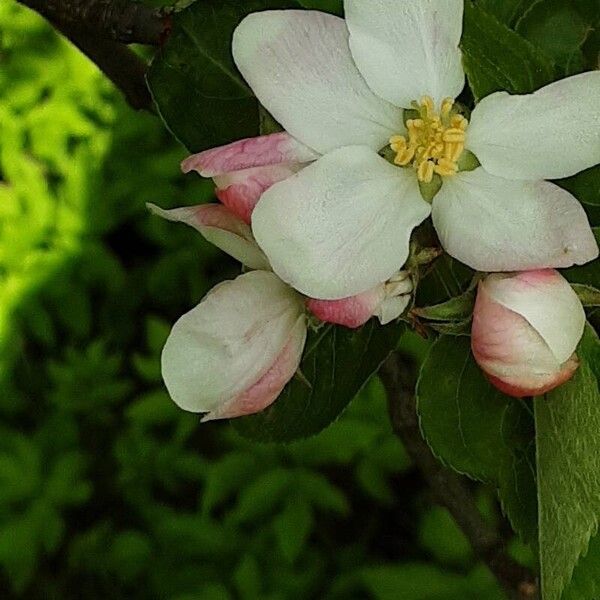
[121, 65]
[449, 488]
[117, 20]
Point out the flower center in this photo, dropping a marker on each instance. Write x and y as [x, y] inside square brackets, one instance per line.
[435, 140]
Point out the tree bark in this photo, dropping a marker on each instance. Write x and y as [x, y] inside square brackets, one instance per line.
[117, 20]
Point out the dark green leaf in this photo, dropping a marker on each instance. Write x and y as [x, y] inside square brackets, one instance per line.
[587, 274]
[195, 84]
[560, 29]
[567, 425]
[584, 185]
[292, 528]
[497, 58]
[589, 295]
[458, 308]
[507, 11]
[337, 363]
[448, 278]
[479, 431]
[332, 6]
[452, 327]
[585, 583]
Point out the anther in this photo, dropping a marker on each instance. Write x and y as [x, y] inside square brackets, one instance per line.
[454, 136]
[425, 171]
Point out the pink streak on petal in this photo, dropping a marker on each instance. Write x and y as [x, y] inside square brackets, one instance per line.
[266, 390]
[218, 216]
[351, 312]
[273, 149]
[240, 191]
[513, 356]
[205, 215]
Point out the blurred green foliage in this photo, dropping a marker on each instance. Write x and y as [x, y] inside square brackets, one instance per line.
[106, 488]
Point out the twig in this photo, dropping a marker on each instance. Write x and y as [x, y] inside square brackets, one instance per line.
[122, 66]
[117, 20]
[448, 487]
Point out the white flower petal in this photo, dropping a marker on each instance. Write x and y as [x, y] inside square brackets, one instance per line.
[299, 66]
[408, 48]
[342, 225]
[547, 301]
[220, 227]
[218, 352]
[550, 134]
[494, 224]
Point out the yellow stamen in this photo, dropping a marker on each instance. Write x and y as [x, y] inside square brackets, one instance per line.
[425, 171]
[435, 141]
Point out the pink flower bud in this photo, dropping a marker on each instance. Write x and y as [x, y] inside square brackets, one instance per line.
[240, 191]
[234, 353]
[526, 328]
[387, 301]
[245, 169]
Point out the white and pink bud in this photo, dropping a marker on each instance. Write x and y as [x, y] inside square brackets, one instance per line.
[245, 169]
[526, 329]
[222, 228]
[234, 353]
[387, 302]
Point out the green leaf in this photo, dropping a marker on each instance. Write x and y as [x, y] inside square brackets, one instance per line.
[568, 451]
[293, 527]
[337, 364]
[589, 295]
[585, 583]
[496, 58]
[335, 7]
[196, 86]
[479, 431]
[458, 308]
[587, 274]
[585, 186]
[448, 278]
[560, 29]
[453, 327]
[507, 11]
[441, 537]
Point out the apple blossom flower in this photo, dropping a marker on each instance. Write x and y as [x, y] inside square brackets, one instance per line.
[341, 225]
[234, 353]
[526, 328]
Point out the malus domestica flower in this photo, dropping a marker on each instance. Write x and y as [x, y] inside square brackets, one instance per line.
[341, 224]
[526, 328]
